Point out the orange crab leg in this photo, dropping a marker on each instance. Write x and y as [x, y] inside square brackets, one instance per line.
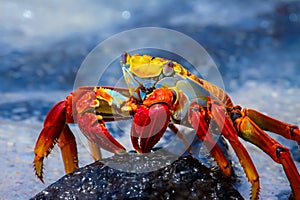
[251, 132]
[95, 151]
[267, 123]
[198, 122]
[55, 129]
[67, 145]
[230, 133]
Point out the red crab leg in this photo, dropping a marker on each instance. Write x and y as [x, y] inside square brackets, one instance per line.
[149, 125]
[251, 132]
[55, 129]
[230, 133]
[267, 123]
[67, 145]
[198, 122]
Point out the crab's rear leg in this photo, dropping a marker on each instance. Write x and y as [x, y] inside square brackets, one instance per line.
[56, 130]
[252, 132]
[230, 133]
[267, 123]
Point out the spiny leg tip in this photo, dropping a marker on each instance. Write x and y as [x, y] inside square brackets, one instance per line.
[38, 168]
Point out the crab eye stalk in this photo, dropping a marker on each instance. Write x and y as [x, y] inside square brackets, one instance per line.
[168, 68]
[124, 58]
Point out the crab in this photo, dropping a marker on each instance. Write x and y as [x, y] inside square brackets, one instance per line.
[161, 94]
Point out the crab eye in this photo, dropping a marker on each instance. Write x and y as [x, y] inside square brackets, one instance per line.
[124, 57]
[168, 68]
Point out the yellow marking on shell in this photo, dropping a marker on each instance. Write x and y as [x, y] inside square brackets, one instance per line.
[146, 66]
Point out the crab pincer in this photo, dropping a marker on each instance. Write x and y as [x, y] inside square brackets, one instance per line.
[149, 125]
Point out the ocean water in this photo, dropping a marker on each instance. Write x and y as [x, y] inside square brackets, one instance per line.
[254, 44]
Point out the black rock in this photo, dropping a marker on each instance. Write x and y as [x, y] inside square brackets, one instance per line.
[162, 176]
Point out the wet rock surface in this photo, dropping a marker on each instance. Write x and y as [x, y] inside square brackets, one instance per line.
[185, 178]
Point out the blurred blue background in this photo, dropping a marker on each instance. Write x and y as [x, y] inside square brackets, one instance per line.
[255, 45]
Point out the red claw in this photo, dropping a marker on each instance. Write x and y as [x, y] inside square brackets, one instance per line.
[149, 125]
[95, 130]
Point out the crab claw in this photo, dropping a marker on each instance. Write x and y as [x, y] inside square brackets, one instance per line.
[149, 125]
[94, 129]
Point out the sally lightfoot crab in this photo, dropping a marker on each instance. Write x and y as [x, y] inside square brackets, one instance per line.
[161, 94]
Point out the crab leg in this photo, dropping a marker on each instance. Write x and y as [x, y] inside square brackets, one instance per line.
[55, 130]
[95, 151]
[230, 133]
[67, 145]
[251, 132]
[198, 122]
[267, 123]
